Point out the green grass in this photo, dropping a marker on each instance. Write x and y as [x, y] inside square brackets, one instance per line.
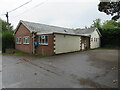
[20, 53]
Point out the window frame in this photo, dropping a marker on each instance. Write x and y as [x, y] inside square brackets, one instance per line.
[24, 40]
[44, 40]
[17, 40]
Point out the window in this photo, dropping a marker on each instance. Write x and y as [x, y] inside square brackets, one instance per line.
[26, 40]
[43, 40]
[94, 39]
[91, 39]
[18, 40]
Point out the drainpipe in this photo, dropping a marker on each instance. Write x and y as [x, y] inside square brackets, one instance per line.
[33, 38]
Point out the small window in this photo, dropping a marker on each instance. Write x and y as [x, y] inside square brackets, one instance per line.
[94, 39]
[91, 39]
[26, 40]
[43, 40]
[18, 40]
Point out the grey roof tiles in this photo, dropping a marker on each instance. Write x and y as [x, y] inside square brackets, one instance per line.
[45, 29]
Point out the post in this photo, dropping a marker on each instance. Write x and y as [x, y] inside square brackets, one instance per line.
[33, 49]
[7, 20]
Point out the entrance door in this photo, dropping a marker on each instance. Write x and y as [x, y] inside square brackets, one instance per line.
[83, 44]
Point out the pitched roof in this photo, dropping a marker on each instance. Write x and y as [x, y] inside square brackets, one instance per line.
[87, 31]
[48, 29]
[43, 28]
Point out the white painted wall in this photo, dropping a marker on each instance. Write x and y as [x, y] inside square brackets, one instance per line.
[66, 43]
[95, 44]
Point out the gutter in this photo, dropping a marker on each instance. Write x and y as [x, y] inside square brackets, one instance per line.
[87, 35]
[33, 40]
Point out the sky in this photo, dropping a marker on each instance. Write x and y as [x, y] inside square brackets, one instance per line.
[63, 13]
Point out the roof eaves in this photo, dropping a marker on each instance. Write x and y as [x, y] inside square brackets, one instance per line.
[73, 34]
[98, 32]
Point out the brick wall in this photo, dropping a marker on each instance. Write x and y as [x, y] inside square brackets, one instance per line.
[46, 49]
[21, 32]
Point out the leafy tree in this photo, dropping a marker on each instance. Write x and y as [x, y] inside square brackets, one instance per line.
[96, 23]
[5, 26]
[111, 24]
[110, 8]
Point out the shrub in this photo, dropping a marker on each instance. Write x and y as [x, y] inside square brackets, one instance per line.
[7, 41]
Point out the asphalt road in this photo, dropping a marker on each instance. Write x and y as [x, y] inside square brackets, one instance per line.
[93, 68]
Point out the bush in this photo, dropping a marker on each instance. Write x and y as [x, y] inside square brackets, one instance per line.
[110, 37]
[7, 41]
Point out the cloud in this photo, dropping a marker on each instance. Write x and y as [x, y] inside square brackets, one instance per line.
[72, 14]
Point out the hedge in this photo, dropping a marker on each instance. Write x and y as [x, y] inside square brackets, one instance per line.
[110, 37]
[7, 41]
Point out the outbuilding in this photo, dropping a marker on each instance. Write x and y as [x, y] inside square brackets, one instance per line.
[95, 36]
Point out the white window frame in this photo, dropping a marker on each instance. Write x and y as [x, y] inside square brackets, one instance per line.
[18, 41]
[43, 37]
[26, 38]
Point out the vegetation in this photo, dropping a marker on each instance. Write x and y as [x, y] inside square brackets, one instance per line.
[20, 53]
[7, 36]
[110, 8]
[0, 36]
[96, 23]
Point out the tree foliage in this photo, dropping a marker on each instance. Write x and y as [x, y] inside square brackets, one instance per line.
[96, 23]
[7, 36]
[110, 8]
[5, 26]
[111, 24]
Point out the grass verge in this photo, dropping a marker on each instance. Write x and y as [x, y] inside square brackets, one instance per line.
[20, 53]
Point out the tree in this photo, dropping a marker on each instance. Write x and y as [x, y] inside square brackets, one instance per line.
[110, 8]
[111, 24]
[5, 26]
[7, 35]
[96, 23]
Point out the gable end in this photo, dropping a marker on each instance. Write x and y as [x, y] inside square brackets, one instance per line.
[18, 26]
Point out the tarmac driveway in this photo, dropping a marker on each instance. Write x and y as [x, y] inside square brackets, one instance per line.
[93, 68]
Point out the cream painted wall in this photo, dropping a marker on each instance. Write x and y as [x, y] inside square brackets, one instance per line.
[95, 44]
[66, 43]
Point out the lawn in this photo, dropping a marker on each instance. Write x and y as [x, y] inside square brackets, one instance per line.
[20, 53]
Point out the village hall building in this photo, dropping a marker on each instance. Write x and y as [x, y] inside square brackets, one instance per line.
[44, 39]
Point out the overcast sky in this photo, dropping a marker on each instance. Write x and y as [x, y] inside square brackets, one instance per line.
[64, 13]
